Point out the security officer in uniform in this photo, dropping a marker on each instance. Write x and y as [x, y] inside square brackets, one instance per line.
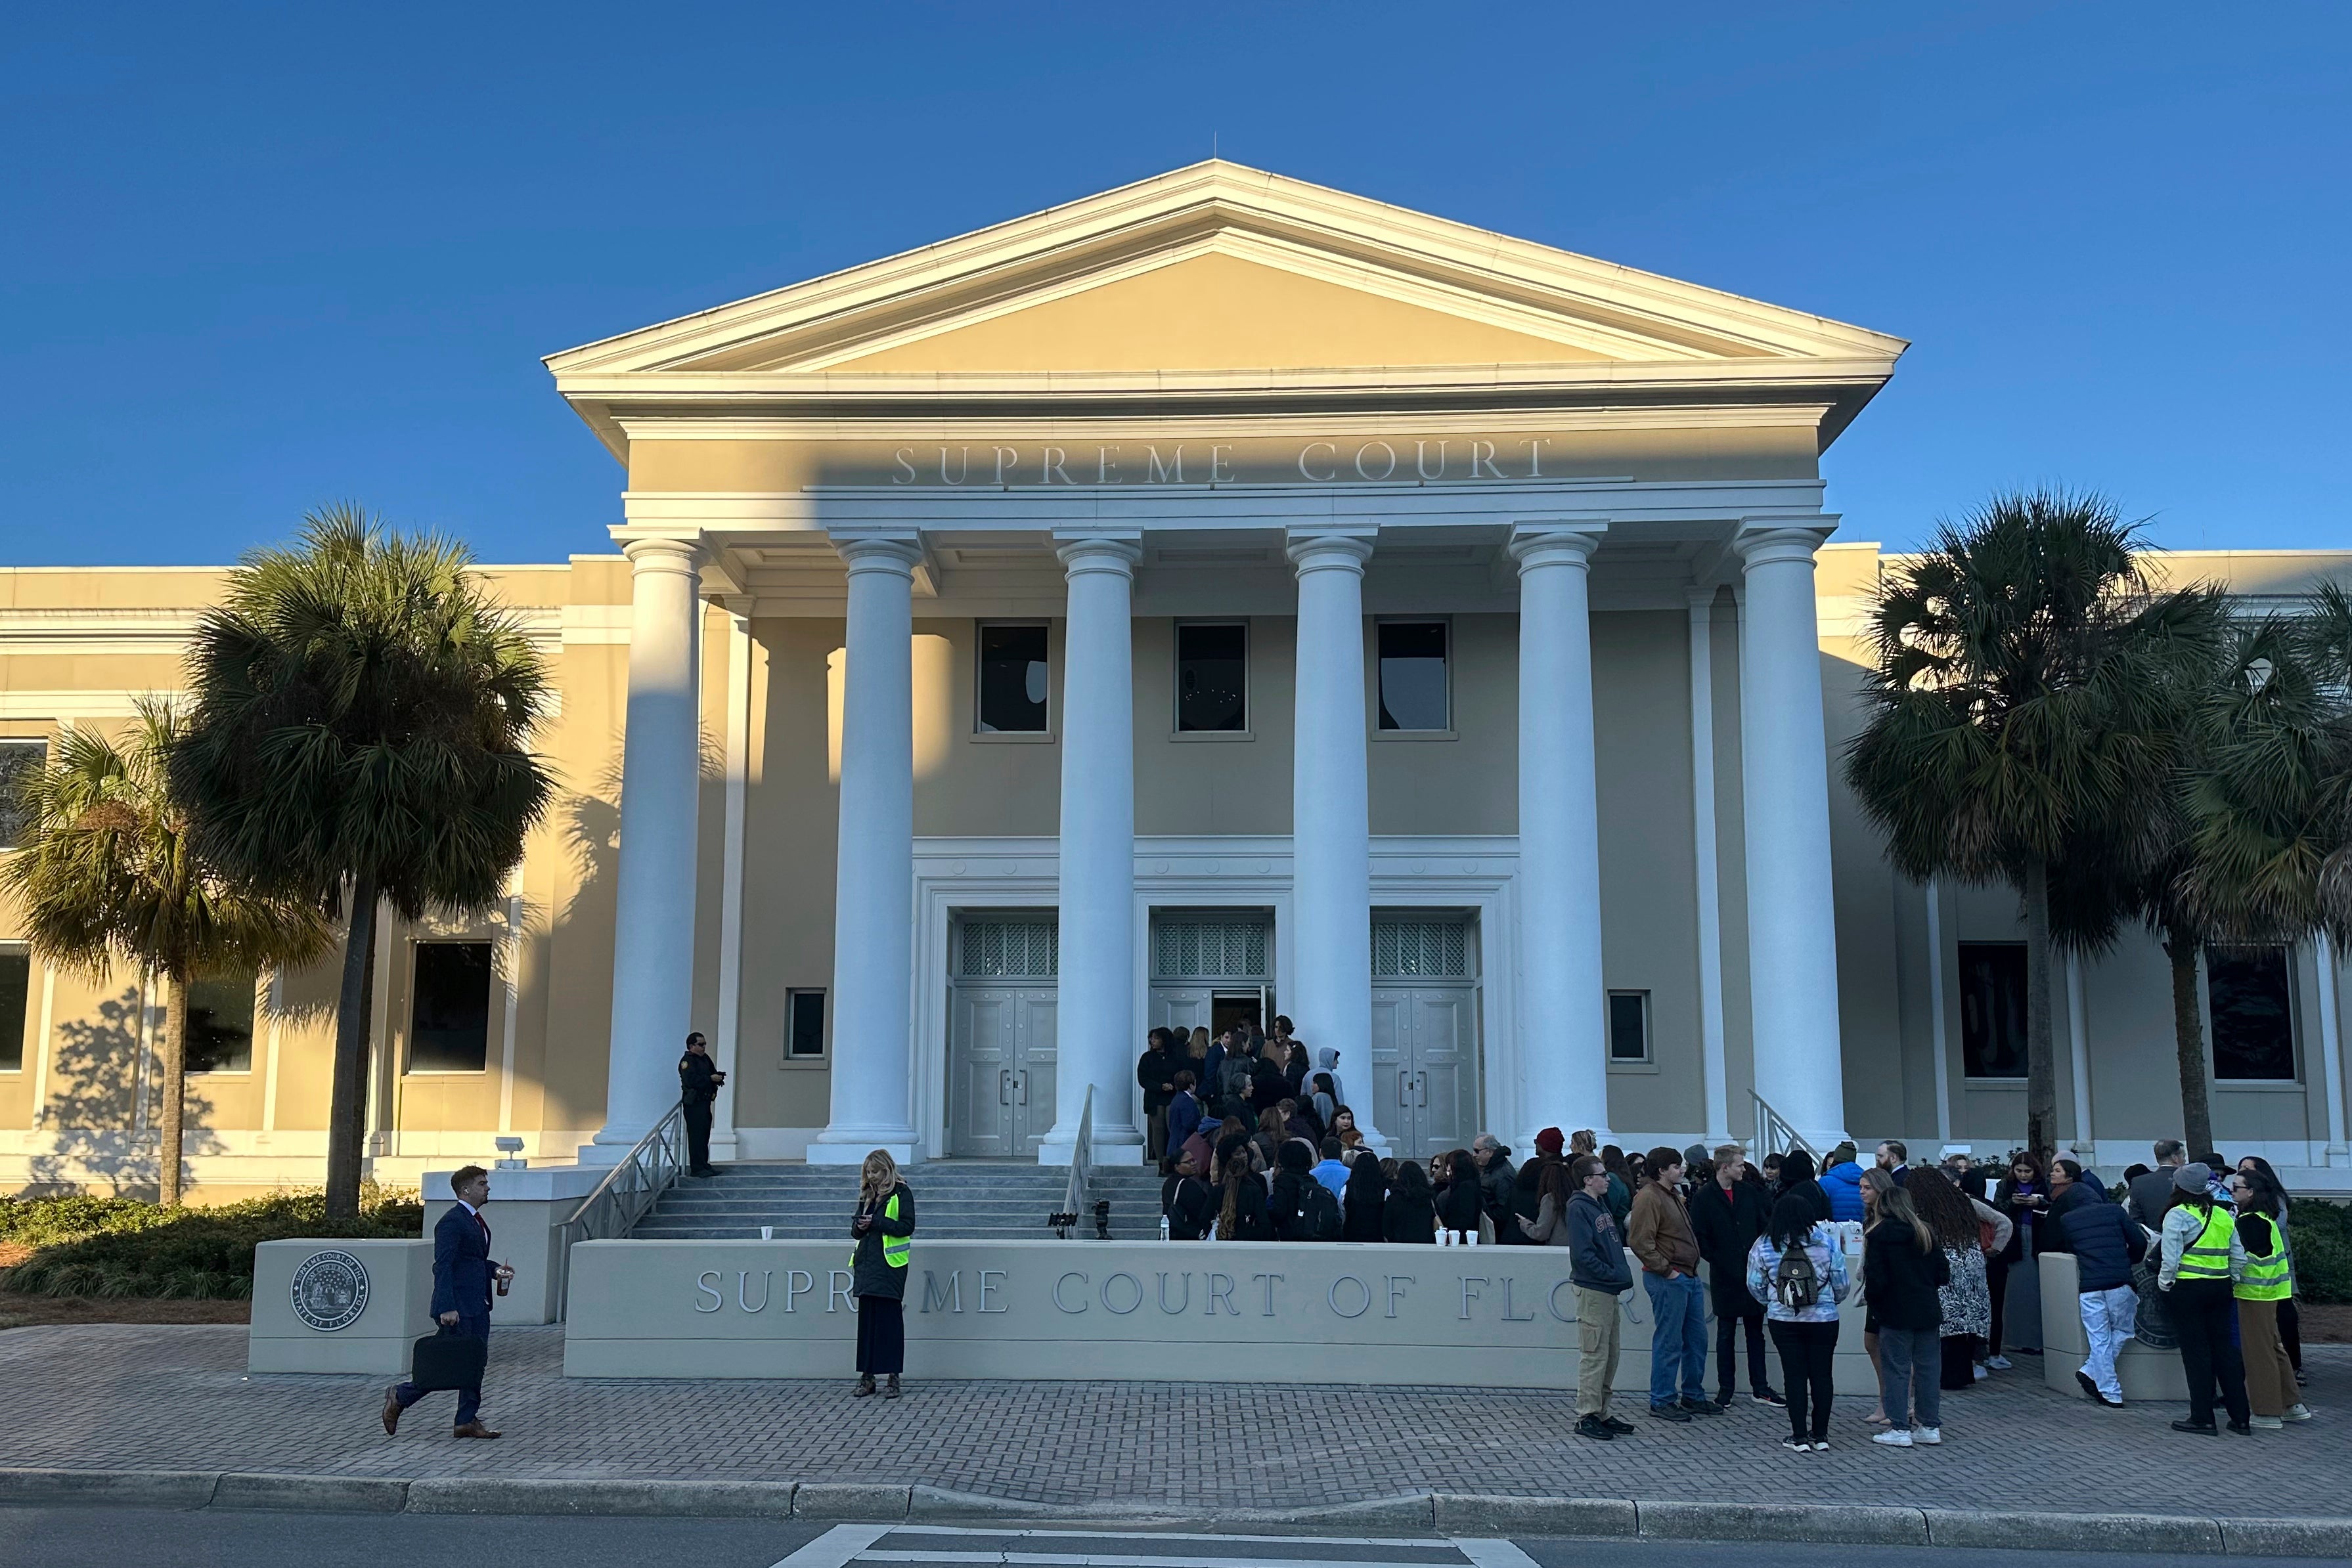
[699, 1078]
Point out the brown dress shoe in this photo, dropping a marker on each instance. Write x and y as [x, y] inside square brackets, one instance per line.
[392, 1411]
[475, 1430]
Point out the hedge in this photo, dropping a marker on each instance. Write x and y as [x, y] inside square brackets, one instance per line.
[118, 1246]
[2322, 1234]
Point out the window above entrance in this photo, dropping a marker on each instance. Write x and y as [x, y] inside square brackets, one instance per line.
[1414, 689]
[1436, 949]
[1013, 678]
[1027, 949]
[1211, 949]
[1212, 677]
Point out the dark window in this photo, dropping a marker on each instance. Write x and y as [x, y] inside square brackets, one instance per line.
[1013, 680]
[449, 1028]
[1412, 676]
[1629, 1025]
[2252, 1001]
[220, 1025]
[19, 761]
[1212, 677]
[15, 989]
[1992, 1010]
[804, 1026]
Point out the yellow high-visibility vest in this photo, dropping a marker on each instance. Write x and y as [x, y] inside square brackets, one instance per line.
[2266, 1276]
[896, 1250]
[2208, 1256]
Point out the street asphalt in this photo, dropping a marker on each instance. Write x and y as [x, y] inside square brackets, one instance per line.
[213, 1538]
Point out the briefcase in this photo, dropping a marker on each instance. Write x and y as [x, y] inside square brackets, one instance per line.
[448, 1359]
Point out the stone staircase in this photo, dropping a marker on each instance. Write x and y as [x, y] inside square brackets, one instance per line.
[1004, 1200]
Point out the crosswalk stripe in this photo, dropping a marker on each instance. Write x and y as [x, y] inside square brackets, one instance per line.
[1116, 1560]
[836, 1547]
[1425, 1542]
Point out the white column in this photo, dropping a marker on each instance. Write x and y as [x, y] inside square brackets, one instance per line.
[1331, 823]
[653, 919]
[1094, 1019]
[2331, 1050]
[2078, 1045]
[726, 1042]
[1703, 847]
[1792, 906]
[1563, 1013]
[874, 891]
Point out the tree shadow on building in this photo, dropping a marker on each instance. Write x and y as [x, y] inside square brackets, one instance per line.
[91, 1136]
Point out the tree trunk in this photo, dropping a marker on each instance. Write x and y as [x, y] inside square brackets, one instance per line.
[172, 1049]
[354, 1008]
[2041, 1056]
[2181, 946]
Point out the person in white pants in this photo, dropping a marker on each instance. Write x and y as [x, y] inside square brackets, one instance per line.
[2106, 1243]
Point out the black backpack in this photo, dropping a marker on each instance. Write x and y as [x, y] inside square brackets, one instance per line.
[1319, 1214]
[1796, 1283]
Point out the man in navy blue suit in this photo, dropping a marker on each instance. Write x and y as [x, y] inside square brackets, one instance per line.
[464, 1277]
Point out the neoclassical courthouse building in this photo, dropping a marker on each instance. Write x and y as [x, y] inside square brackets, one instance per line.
[1217, 596]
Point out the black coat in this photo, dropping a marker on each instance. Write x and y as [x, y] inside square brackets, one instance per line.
[1902, 1282]
[1461, 1202]
[1408, 1216]
[698, 1079]
[1727, 1225]
[1253, 1219]
[1188, 1206]
[1154, 1068]
[873, 1275]
[2104, 1239]
[1362, 1202]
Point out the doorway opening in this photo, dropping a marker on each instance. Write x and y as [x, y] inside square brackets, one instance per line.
[1004, 980]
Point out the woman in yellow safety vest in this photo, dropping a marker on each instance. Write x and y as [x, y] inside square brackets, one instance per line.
[885, 1228]
[2202, 1259]
[2265, 1285]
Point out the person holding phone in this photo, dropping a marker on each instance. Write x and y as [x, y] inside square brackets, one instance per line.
[2013, 1277]
[885, 1230]
[699, 1080]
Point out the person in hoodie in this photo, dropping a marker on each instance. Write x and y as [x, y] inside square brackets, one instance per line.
[2105, 1242]
[1599, 1273]
[1327, 1062]
[1362, 1202]
[1496, 1181]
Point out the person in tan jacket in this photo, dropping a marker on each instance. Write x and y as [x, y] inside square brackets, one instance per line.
[1659, 1232]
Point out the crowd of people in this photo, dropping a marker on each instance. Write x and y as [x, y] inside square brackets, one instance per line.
[1257, 1143]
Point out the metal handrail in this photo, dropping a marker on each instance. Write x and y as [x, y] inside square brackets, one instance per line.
[1082, 1159]
[1774, 1133]
[632, 1186]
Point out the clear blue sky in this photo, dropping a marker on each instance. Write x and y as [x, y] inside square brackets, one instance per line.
[253, 260]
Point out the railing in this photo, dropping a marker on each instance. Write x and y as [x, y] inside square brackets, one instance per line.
[1082, 1159]
[621, 1198]
[1774, 1133]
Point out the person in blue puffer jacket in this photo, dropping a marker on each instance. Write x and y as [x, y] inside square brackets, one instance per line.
[1843, 1182]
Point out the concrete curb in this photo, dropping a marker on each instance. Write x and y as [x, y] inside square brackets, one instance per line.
[1451, 1513]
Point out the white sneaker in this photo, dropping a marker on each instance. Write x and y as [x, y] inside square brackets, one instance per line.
[1822, 1446]
[1927, 1436]
[1978, 1373]
[2298, 1412]
[1897, 1439]
[2269, 1423]
[1998, 1362]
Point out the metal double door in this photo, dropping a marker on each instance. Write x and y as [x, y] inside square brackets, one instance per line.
[1425, 1067]
[1000, 1069]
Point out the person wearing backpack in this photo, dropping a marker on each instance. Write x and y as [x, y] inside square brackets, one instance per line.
[1797, 1269]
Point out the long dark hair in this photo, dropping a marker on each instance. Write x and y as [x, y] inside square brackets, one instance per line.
[1229, 1214]
[1792, 1221]
[1944, 1207]
[1410, 1180]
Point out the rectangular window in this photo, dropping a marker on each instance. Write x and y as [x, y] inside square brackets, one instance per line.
[15, 994]
[1629, 1025]
[1992, 1010]
[1212, 679]
[804, 1026]
[2251, 994]
[449, 1021]
[1412, 676]
[220, 1024]
[19, 761]
[1013, 679]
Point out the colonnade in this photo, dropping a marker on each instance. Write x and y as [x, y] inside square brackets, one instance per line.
[1562, 1053]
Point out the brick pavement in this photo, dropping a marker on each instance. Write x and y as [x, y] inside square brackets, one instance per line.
[130, 1397]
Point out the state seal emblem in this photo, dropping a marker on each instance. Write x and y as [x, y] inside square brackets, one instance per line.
[330, 1290]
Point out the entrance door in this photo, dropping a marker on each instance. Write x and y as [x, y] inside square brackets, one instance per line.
[1001, 1071]
[1425, 1067]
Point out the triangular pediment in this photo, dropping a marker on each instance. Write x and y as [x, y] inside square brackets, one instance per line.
[1214, 267]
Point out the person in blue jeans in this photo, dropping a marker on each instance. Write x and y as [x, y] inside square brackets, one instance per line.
[1659, 1232]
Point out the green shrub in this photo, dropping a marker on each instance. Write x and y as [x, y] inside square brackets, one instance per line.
[111, 1247]
[2322, 1234]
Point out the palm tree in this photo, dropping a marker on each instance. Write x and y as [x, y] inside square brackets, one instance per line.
[2018, 708]
[364, 708]
[109, 874]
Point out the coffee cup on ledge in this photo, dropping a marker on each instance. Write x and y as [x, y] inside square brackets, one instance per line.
[767, 1233]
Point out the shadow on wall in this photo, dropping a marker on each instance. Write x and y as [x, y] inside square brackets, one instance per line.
[97, 1079]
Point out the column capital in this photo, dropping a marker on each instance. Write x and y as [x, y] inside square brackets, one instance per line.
[1090, 551]
[682, 554]
[1769, 540]
[898, 551]
[1555, 541]
[1329, 549]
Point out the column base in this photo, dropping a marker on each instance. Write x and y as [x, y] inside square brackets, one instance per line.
[853, 1144]
[611, 1146]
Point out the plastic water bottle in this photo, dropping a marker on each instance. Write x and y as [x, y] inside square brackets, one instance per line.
[1163, 1227]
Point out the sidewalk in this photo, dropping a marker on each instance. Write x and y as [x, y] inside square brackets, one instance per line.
[144, 1398]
